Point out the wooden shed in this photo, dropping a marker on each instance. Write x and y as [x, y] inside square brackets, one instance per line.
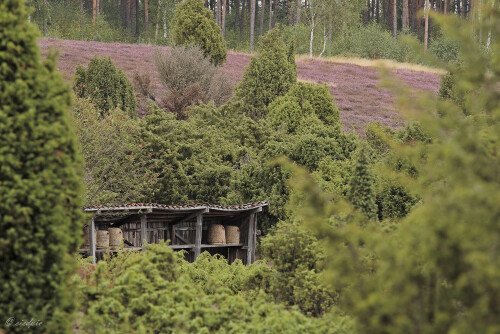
[186, 226]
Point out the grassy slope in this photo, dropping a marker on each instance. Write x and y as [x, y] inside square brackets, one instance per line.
[354, 84]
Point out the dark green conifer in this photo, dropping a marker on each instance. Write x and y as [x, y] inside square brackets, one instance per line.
[40, 186]
[361, 191]
[195, 25]
[268, 76]
[105, 85]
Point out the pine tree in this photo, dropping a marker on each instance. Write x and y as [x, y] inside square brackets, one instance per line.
[361, 191]
[40, 183]
[268, 76]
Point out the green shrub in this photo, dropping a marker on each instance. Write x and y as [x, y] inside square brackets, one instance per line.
[194, 25]
[361, 190]
[116, 167]
[445, 49]
[105, 85]
[297, 261]
[40, 183]
[369, 41]
[394, 201]
[288, 111]
[300, 101]
[157, 291]
[438, 270]
[268, 76]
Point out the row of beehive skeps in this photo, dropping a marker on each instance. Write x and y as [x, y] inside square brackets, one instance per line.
[223, 235]
[110, 238]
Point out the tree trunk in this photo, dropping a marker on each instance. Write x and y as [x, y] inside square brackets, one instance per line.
[404, 16]
[312, 29]
[218, 12]
[324, 41]
[426, 30]
[146, 16]
[275, 7]
[94, 11]
[236, 14]
[262, 13]
[164, 23]
[242, 18]
[463, 9]
[394, 19]
[252, 23]
[299, 7]
[224, 18]
[271, 14]
[378, 11]
[137, 18]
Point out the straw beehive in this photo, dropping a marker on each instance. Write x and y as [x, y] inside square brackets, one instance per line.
[216, 235]
[115, 237]
[232, 235]
[102, 239]
[86, 237]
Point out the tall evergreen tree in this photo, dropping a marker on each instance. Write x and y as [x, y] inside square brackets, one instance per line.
[362, 185]
[40, 186]
[269, 75]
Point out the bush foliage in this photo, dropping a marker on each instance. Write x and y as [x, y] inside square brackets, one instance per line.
[268, 76]
[194, 24]
[105, 85]
[40, 183]
[167, 294]
[190, 78]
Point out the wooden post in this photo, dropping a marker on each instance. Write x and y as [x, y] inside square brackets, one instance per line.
[250, 249]
[254, 242]
[92, 240]
[199, 231]
[172, 234]
[144, 235]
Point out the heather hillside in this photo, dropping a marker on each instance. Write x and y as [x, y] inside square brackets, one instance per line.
[356, 88]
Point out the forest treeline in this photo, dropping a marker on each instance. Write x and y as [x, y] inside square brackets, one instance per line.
[364, 28]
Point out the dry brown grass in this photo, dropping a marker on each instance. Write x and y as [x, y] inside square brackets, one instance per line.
[384, 63]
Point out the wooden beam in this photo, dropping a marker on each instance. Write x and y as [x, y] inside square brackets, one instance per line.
[124, 220]
[92, 240]
[190, 216]
[244, 215]
[199, 231]
[144, 234]
[181, 238]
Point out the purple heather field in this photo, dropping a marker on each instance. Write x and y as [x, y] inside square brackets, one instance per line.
[356, 89]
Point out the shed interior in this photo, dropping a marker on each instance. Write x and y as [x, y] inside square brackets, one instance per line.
[186, 226]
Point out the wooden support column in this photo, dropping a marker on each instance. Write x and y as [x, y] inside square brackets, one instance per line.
[172, 234]
[92, 240]
[254, 242]
[250, 244]
[144, 235]
[199, 231]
